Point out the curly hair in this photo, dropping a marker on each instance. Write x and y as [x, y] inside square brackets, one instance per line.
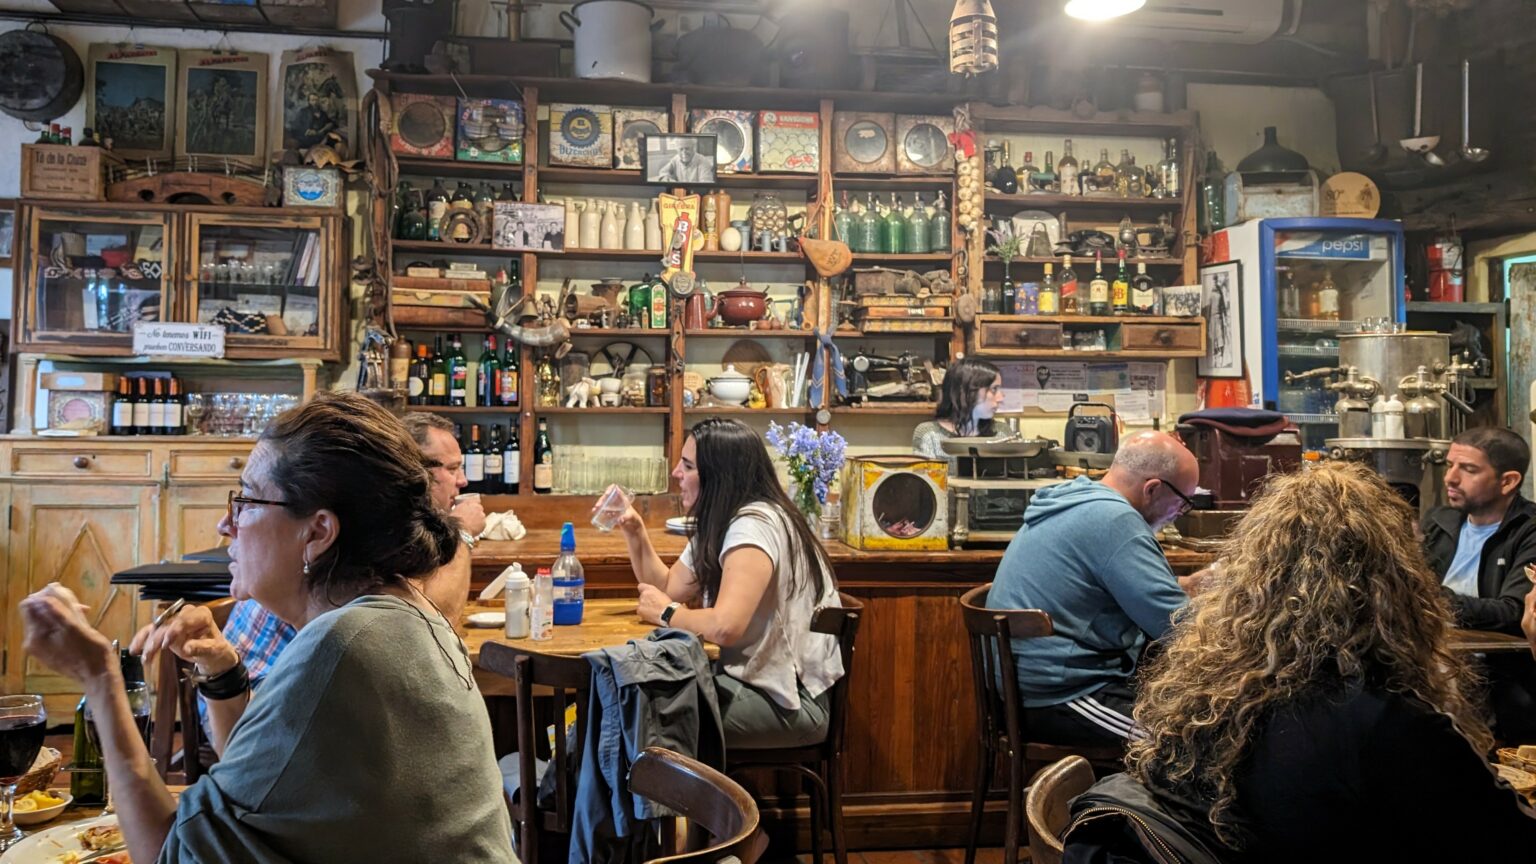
[1322, 582]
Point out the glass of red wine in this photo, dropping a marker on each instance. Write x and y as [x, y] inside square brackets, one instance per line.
[22, 720]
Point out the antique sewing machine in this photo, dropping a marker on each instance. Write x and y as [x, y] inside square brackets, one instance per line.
[903, 378]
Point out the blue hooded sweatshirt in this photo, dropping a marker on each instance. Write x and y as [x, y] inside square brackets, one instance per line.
[1086, 557]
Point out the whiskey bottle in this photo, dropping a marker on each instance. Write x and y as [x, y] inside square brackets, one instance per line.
[1066, 171]
[1144, 292]
[1068, 283]
[1120, 289]
[1098, 289]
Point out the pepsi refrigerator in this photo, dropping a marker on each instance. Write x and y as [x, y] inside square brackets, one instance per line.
[1287, 270]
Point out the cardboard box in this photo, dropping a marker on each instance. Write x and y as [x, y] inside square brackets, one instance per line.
[67, 173]
[104, 382]
[80, 401]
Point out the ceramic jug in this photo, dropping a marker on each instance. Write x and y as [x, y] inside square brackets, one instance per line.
[591, 226]
[609, 227]
[653, 228]
[573, 223]
[634, 227]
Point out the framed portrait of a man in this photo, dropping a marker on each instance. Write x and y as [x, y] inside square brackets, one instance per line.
[319, 93]
[683, 160]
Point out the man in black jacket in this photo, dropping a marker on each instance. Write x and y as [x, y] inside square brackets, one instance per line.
[1480, 544]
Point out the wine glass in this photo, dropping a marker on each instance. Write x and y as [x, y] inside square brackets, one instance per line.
[197, 409]
[22, 722]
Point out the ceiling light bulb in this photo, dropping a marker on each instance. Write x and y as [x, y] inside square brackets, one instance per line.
[1102, 10]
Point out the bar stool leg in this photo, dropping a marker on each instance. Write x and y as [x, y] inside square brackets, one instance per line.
[986, 762]
[834, 775]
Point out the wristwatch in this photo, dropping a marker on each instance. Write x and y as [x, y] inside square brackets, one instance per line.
[666, 614]
[469, 539]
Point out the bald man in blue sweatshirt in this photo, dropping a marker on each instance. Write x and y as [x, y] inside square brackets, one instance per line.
[1086, 555]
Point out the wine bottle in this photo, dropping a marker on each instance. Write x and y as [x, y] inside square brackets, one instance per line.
[122, 408]
[458, 372]
[1098, 289]
[141, 402]
[511, 461]
[491, 485]
[175, 404]
[543, 460]
[489, 381]
[438, 391]
[474, 461]
[1120, 291]
[509, 376]
[418, 390]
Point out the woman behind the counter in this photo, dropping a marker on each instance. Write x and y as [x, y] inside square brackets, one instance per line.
[754, 575]
[973, 390]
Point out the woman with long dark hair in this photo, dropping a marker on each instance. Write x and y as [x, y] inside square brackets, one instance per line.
[969, 399]
[749, 581]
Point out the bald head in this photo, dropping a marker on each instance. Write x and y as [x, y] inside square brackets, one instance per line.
[1146, 464]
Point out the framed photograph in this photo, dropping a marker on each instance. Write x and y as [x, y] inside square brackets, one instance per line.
[130, 97]
[7, 230]
[1221, 301]
[520, 226]
[223, 96]
[319, 93]
[686, 160]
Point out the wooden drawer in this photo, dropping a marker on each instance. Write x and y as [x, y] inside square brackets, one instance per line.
[1030, 335]
[81, 461]
[1161, 337]
[208, 463]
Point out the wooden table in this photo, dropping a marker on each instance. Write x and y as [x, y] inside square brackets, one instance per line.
[1486, 642]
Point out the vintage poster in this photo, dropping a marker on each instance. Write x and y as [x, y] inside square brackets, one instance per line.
[223, 97]
[130, 98]
[319, 93]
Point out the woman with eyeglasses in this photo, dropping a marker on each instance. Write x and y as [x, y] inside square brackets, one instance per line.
[969, 399]
[369, 741]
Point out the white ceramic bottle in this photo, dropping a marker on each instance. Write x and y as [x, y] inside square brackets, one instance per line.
[591, 226]
[634, 227]
[653, 228]
[610, 225]
[573, 224]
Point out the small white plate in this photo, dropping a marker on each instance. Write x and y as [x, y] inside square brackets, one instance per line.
[38, 817]
[486, 619]
[49, 845]
[680, 525]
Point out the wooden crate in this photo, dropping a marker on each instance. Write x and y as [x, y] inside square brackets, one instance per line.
[67, 173]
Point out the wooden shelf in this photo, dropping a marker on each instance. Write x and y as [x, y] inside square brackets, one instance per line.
[655, 255]
[1078, 259]
[892, 182]
[632, 177]
[441, 248]
[1081, 202]
[623, 409]
[1087, 320]
[902, 257]
[860, 334]
[425, 165]
[911, 409]
[1066, 353]
[741, 409]
[635, 332]
[743, 333]
[465, 409]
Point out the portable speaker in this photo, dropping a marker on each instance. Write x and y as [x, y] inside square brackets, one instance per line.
[1093, 433]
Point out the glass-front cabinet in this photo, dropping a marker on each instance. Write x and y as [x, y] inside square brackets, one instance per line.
[272, 279]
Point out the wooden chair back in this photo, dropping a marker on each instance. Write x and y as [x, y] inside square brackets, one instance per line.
[716, 807]
[1046, 805]
[841, 622]
[993, 671]
[567, 681]
[197, 754]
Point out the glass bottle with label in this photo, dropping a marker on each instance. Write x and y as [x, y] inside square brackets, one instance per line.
[1098, 289]
[1010, 293]
[1050, 294]
[1327, 298]
[1168, 185]
[437, 391]
[493, 463]
[640, 304]
[421, 377]
[141, 409]
[939, 229]
[489, 380]
[1290, 295]
[1044, 179]
[1068, 283]
[1120, 289]
[1028, 169]
[485, 208]
[543, 460]
[1066, 171]
[458, 372]
[549, 382]
[512, 461]
[659, 300]
[1006, 180]
[437, 209]
[122, 408]
[175, 409]
[463, 200]
[1104, 174]
[474, 460]
[508, 394]
[1144, 292]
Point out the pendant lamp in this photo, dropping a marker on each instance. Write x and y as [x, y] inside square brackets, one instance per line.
[972, 38]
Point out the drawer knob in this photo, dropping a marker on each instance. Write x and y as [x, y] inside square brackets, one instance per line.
[82, 462]
[1164, 336]
[236, 463]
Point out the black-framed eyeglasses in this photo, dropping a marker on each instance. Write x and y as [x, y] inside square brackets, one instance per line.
[237, 501]
[1189, 503]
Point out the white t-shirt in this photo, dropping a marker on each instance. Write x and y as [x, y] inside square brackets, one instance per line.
[778, 646]
[1461, 576]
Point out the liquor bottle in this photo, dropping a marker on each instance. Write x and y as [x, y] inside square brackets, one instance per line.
[1290, 296]
[1050, 295]
[437, 209]
[543, 460]
[640, 304]
[917, 227]
[511, 461]
[1168, 185]
[893, 231]
[842, 222]
[489, 381]
[1068, 283]
[1007, 180]
[463, 201]
[67, 137]
[1123, 177]
[868, 230]
[413, 223]
[1104, 174]
[1144, 292]
[88, 772]
[1066, 170]
[458, 372]
[1098, 289]
[1028, 169]
[485, 208]
[141, 407]
[939, 230]
[1120, 289]
[508, 392]
[493, 463]
[549, 383]
[474, 461]
[658, 302]
[122, 408]
[508, 192]
[55, 134]
[1044, 179]
[1212, 208]
[1327, 298]
[418, 386]
[175, 409]
[44, 136]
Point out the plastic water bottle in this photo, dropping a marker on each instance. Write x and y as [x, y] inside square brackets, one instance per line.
[569, 580]
[519, 597]
[541, 615]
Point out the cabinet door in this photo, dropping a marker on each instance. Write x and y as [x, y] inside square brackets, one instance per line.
[270, 281]
[78, 536]
[88, 275]
[192, 515]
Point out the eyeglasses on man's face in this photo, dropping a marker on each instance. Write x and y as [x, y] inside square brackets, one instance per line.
[1189, 503]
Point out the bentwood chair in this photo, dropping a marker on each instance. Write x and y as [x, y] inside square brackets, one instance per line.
[1047, 806]
[820, 764]
[722, 817]
[567, 681]
[197, 754]
[1000, 724]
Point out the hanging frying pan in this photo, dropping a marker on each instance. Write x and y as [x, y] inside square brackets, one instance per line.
[41, 77]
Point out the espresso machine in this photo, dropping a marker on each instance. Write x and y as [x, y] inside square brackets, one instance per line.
[1413, 370]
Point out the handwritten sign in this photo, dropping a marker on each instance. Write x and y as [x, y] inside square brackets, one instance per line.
[165, 339]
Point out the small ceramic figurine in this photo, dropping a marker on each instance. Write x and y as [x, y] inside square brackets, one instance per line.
[582, 393]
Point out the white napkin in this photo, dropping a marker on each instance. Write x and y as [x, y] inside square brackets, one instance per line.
[503, 526]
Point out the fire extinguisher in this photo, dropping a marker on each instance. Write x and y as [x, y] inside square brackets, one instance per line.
[1447, 278]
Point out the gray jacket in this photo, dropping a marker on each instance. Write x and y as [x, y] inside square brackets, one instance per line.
[652, 692]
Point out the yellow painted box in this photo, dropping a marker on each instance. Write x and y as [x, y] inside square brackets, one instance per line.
[896, 502]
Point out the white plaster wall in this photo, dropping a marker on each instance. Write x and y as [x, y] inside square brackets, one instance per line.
[1233, 117]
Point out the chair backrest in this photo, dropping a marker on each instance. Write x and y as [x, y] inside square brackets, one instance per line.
[197, 754]
[843, 623]
[709, 800]
[568, 681]
[993, 672]
[1046, 805]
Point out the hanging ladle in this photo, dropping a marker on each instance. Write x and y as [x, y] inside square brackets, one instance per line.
[1421, 145]
[1468, 152]
[1377, 151]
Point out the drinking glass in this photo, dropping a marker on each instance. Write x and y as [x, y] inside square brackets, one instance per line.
[22, 722]
[197, 409]
[611, 507]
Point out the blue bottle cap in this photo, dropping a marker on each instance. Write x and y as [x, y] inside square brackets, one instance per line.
[568, 538]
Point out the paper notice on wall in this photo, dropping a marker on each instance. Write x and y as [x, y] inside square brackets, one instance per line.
[1134, 406]
[1137, 390]
[1056, 403]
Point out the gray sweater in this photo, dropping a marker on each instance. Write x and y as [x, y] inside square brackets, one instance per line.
[364, 744]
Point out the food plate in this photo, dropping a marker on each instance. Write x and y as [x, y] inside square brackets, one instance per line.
[53, 845]
[486, 619]
[680, 525]
[27, 818]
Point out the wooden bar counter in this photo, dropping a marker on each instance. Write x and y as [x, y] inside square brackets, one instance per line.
[911, 748]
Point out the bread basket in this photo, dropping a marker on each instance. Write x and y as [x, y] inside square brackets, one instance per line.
[44, 767]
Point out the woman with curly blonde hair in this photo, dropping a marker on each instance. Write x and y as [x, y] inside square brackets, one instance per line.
[1309, 706]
